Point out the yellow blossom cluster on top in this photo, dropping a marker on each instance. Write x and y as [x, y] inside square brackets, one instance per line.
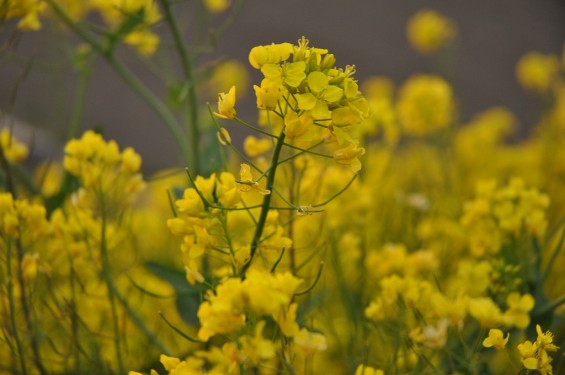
[317, 102]
[142, 14]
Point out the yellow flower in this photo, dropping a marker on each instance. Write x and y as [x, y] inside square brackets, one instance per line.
[226, 104]
[485, 311]
[366, 370]
[349, 156]
[518, 309]
[287, 321]
[256, 348]
[14, 151]
[291, 74]
[247, 183]
[217, 6]
[169, 363]
[309, 343]
[268, 94]
[536, 71]
[425, 104]
[256, 146]
[223, 137]
[428, 31]
[271, 54]
[496, 339]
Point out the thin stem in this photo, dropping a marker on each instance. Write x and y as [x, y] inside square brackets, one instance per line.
[115, 294]
[131, 80]
[265, 207]
[191, 107]
[12, 302]
[79, 104]
[551, 306]
[553, 257]
[108, 279]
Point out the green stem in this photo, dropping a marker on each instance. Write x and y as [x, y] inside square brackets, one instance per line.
[265, 207]
[553, 257]
[550, 306]
[108, 279]
[115, 294]
[79, 104]
[191, 107]
[131, 80]
[11, 302]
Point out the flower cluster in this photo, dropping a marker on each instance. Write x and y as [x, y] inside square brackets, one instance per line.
[535, 356]
[499, 213]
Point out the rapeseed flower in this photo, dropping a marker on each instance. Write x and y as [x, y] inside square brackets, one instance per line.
[496, 339]
[428, 31]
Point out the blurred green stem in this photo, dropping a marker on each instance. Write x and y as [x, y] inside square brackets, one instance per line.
[132, 81]
[79, 104]
[190, 110]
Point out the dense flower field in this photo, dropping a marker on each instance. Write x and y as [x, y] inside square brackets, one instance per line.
[359, 228]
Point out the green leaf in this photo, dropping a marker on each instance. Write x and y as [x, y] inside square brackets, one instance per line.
[188, 296]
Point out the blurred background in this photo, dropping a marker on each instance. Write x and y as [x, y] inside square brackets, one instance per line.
[40, 85]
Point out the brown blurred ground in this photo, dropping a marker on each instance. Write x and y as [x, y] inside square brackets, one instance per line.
[492, 35]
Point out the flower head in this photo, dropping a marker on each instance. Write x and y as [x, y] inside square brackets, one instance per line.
[226, 104]
[496, 339]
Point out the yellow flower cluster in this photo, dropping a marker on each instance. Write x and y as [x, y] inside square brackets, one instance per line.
[317, 101]
[142, 14]
[535, 356]
[500, 212]
[21, 218]
[103, 171]
[425, 104]
[13, 150]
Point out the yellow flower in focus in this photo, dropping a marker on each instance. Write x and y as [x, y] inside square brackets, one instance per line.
[428, 31]
[271, 54]
[496, 339]
[14, 151]
[226, 104]
[268, 94]
[425, 104]
[536, 71]
[217, 6]
[545, 340]
[247, 183]
[349, 156]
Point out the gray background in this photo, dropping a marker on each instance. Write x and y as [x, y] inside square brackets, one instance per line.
[492, 35]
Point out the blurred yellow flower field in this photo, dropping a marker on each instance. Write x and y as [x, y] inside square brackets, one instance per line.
[358, 227]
